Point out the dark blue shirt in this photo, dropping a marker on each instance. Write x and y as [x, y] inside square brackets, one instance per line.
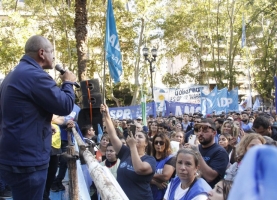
[135, 186]
[216, 158]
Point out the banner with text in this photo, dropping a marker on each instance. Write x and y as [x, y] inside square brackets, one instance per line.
[178, 109]
[132, 112]
[189, 94]
[219, 101]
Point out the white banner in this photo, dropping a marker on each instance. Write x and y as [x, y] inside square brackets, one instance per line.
[187, 94]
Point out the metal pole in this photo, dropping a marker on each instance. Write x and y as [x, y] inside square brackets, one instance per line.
[151, 79]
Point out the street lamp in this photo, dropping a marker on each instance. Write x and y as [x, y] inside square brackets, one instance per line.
[145, 51]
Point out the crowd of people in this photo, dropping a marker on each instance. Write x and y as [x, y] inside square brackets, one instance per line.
[188, 157]
[210, 152]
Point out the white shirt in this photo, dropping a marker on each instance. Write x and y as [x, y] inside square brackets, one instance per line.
[179, 193]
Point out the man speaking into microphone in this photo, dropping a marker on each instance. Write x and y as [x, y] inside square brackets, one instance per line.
[28, 99]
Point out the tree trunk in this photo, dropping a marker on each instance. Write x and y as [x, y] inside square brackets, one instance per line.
[230, 57]
[81, 36]
[137, 68]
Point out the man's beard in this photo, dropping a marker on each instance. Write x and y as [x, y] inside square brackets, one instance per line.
[244, 120]
[206, 141]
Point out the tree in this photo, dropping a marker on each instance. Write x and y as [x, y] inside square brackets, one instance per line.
[206, 33]
[80, 24]
[262, 49]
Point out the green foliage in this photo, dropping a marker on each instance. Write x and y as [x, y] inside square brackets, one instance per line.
[207, 34]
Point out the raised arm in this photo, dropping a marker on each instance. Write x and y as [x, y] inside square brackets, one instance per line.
[117, 144]
[140, 167]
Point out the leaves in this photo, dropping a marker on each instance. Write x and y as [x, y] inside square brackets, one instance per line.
[205, 34]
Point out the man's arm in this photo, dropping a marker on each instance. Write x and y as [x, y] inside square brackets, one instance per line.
[206, 171]
[48, 95]
[217, 165]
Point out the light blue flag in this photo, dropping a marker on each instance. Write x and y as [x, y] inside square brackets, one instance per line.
[208, 101]
[112, 48]
[221, 100]
[233, 98]
[100, 133]
[243, 34]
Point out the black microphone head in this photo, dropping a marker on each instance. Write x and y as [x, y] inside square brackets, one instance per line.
[58, 67]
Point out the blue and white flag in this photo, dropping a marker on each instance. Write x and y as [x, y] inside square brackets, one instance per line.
[208, 101]
[233, 98]
[222, 102]
[219, 101]
[112, 48]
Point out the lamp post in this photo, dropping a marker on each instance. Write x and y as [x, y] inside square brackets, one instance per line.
[145, 51]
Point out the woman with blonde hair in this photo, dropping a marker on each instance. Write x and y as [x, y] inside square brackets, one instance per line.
[245, 144]
[230, 128]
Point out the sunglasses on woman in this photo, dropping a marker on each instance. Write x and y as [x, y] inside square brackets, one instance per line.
[159, 142]
[204, 128]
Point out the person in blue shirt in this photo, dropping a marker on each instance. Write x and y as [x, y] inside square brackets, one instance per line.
[246, 124]
[136, 168]
[214, 159]
[28, 98]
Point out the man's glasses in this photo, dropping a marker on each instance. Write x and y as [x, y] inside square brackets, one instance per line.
[204, 128]
[159, 142]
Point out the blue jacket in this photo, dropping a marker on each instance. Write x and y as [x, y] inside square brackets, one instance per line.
[28, 99]
[199, 187]
[159, 193]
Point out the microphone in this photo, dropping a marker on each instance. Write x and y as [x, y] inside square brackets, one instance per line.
[60, 69]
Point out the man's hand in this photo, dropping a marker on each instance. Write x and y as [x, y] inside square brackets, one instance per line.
[68, 76]
[70, 124]
[193, 147]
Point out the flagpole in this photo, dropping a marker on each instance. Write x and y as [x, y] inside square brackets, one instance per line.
[243, 44]
[104, 79]
[104, 70]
